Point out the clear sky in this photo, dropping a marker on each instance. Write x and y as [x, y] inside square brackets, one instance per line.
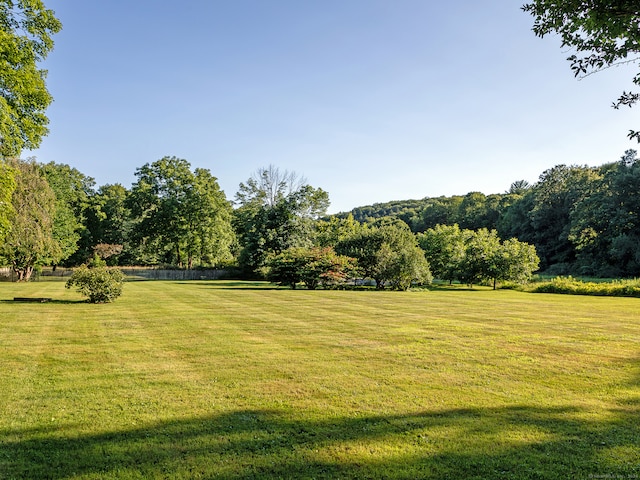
[371, 100]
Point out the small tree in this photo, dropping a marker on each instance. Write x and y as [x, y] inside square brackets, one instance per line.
[444, 247]
[517, 260]
[387, 254]
[100, 283]
[285, 268]
[324, 266]
[313, 266]
[406, 267]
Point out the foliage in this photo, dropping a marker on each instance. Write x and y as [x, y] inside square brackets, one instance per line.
[108, 221]
[582, 220]
[516, 262]
[99, 283]
[476, 256]
[440, 211]
[406, 210]
[26, 30]
[329, 232]
[602, 33]
[179, 217]
[387, 254]
[30, 241]
[313, 266]
[481, 260]
[276, 211]
[7, 186]
[444, 247]
[572, 286]
[73, 190]
[403, 267]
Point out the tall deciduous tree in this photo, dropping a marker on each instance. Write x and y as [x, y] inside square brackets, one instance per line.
[601, 33]
[444, 247]
[107, 221]
[7, 186]
[276, 211]
[26, 30]
[179, 216]
[604, 224]
[209, 220]
[73, 190]
[30, 241]
[555, 196]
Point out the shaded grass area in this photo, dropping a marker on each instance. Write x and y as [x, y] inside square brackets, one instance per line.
[234, 380]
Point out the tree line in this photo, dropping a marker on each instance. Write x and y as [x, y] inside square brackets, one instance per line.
[582, 220]
[276, 228]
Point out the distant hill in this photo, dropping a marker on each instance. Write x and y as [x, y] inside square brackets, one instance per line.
[405, 210]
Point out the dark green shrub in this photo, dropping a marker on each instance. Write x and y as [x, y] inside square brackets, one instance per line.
[101, 284]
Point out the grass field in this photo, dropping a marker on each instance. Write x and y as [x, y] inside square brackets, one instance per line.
[237, 380]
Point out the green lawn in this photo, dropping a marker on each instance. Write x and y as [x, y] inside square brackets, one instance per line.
[235, 380]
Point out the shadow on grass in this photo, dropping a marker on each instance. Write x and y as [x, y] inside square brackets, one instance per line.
[523, 442]
[233, 285]
[48, 302]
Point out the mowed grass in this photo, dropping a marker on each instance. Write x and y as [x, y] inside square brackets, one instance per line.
[236, 380]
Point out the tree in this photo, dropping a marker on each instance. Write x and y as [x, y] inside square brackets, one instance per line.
[519, 187]
[624, 208]
[30, 241]
[388, 254]
[604, 223]
[107, 221]
[444, 247]
[26, 30]
[209, 219]
[440, 211]
[276, 211]
[516, 262]
[73, 190]
[179, 216]
[364, 247]
[602, 33]
[404, 266]
[480, 261]
[269, 185]
[328, 233]
[7, 186]
[325, 267]
[313, 266]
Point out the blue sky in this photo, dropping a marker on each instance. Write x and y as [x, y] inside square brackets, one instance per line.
[371, 100]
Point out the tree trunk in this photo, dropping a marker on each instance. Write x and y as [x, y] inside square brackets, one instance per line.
[178, 259]
[23, 273]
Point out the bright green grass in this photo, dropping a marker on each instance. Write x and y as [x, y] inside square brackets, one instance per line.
[233, 380]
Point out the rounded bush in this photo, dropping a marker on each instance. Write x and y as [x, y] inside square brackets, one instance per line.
[99, 284]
